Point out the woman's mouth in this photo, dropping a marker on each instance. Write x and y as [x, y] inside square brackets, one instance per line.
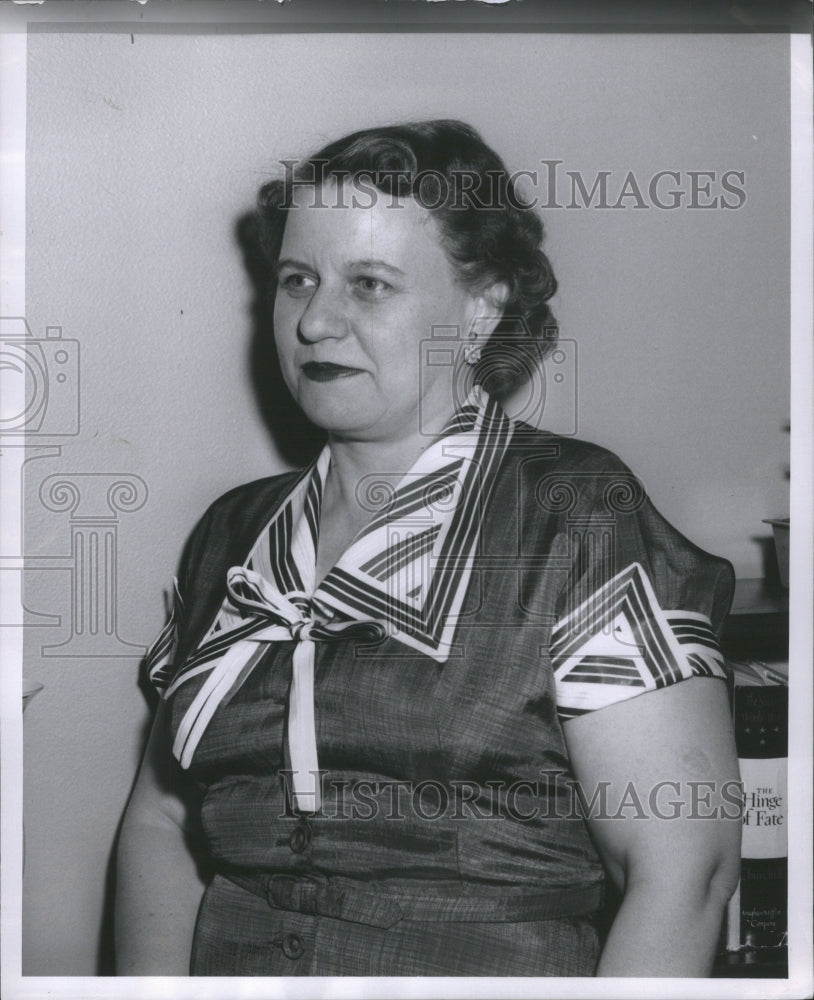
[324, 371]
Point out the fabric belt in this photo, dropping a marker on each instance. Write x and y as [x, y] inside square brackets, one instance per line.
[342, 899]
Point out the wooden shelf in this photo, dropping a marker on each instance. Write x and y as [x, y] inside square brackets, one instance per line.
[757, 627]
[756, 597]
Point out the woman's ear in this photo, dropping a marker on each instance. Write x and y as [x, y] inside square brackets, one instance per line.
[488, 311]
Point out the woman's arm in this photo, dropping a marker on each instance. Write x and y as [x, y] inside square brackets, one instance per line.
[159, 884]
[669, 832]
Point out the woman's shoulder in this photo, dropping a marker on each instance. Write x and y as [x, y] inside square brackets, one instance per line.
[564, 453]
[235, 519]
[572, 476]
[257, 494]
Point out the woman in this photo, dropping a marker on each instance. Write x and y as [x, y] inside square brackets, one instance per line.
[384, 672]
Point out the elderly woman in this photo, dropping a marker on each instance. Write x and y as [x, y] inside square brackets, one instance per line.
[421, 699]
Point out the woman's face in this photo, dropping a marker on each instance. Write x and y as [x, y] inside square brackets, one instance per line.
[358, 290]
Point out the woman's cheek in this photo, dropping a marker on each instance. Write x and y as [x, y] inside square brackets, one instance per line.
[285, 333]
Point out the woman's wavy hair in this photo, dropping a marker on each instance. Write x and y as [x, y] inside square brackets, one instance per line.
[487, 232]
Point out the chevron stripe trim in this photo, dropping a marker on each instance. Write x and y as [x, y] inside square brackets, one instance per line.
[620, 642]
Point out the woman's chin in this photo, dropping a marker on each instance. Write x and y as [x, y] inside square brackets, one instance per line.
[340, 417]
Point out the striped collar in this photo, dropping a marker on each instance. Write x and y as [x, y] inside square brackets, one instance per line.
[408, 568]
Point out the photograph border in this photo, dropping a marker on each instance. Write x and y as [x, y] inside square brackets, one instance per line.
[370, 16]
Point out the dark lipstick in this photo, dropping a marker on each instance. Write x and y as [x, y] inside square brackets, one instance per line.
[325, 371]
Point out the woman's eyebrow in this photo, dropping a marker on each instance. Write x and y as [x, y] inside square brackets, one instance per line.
[380, 265]
[361, 264]
[296, 265]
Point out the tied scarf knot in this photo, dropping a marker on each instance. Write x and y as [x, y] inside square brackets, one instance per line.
[300, 631]
[252, 593]
[289, 616]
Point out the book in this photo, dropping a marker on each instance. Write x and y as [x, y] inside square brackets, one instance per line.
[757, 916]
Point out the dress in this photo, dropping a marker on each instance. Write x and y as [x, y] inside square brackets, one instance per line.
[446, 841]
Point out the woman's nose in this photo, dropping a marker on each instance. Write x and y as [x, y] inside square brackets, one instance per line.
[322, 318]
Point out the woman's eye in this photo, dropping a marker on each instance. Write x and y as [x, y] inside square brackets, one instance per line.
[369, 285]
[297, 283]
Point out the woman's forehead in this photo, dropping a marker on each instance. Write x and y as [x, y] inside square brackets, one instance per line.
[367, 222]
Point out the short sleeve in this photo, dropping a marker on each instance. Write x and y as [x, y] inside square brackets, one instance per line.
[222, 537]
[642, 604]
[159, 660]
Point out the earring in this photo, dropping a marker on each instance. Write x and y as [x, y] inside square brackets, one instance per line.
[472, 352]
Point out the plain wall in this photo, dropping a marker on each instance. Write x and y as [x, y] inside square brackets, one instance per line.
[144, 152]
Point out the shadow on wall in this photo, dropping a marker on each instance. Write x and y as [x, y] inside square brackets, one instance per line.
[297, 440]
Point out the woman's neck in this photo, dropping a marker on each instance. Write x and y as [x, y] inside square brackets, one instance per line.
[356, 460]
[355, 465]
[361, 477]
